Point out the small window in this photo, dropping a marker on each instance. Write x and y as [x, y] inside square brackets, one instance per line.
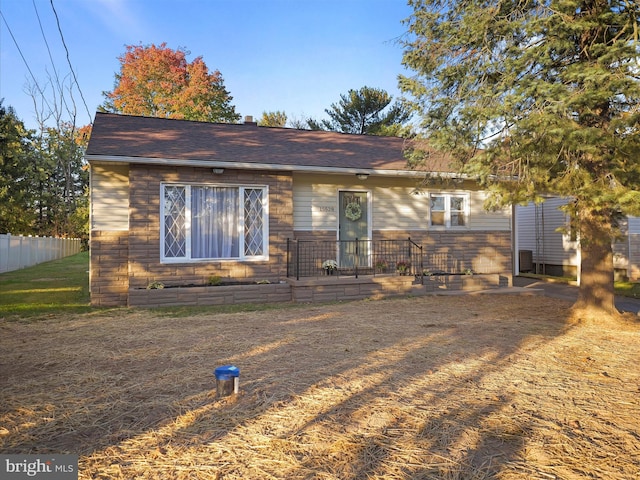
[206, 222]
[448, 210]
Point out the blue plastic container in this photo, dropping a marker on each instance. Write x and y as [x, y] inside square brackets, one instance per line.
[227, 380]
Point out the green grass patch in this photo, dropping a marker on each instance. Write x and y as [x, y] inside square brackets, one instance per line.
[59, 286]
[625, 289]
[62, 287]
[628, 289]
[548, 278]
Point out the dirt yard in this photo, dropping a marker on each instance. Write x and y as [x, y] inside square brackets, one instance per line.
[467, 387]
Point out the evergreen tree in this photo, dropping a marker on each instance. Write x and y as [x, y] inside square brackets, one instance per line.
[363, 112]
[533, 97]
[16, 174]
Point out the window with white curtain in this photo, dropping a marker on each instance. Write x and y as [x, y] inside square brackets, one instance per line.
[448, 210]
[213, 222]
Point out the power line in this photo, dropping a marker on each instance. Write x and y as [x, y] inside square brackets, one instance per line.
[55, 70]
[25, 61]
[75, 78]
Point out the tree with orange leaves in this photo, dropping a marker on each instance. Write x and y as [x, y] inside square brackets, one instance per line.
[156, 81]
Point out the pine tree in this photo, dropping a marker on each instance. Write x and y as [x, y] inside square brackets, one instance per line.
[16, 174]
[534, 97]
[367, 111]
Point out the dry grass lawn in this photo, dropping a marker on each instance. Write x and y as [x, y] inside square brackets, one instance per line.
[467, 387]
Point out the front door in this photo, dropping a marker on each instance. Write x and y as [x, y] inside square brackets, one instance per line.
[354, 224]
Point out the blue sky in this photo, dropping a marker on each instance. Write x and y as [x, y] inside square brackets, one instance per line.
[293, 55]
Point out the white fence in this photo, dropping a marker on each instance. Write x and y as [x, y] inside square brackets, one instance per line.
[18, 251]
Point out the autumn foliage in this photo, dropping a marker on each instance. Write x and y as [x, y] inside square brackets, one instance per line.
[157, 81]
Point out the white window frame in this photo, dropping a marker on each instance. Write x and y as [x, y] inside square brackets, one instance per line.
[241, 190]
[447, 210]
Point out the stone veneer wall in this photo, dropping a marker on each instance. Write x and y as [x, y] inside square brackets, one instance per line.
[127, 260]
[334, 289]
[329, 289]
[456, 251]
[109, 277]
[210, 295]
[144, 229]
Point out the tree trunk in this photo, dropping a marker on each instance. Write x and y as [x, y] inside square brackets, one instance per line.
[596, 293]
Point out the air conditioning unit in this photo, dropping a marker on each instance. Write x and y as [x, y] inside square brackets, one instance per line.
[526, 260]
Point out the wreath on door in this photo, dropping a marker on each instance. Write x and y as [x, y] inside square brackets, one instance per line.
[353, 211]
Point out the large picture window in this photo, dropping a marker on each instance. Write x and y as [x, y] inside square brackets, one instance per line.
[447, 210]
[204, 222]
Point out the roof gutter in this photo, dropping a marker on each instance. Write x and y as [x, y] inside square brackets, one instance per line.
[269, 166]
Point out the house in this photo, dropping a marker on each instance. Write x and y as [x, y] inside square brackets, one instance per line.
[177, 203]
[546, 244]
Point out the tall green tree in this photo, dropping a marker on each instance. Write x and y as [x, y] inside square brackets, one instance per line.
[156, 81]
[533, 97]
[367, 111]
[17, 174]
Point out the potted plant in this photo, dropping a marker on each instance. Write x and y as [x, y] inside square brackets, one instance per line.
[382, 266]
[403, 266]
[330, 266]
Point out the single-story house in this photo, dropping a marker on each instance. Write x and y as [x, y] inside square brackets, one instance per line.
[546, 243]
[177, 203]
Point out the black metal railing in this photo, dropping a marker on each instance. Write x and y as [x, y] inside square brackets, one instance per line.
[311, 258]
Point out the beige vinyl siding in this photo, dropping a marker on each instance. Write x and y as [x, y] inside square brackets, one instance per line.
[395, 208]
[109, 197]
[394, 205]
[315, 207]
[482, 219]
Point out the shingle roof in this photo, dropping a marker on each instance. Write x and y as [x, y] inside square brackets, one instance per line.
[129, 137]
